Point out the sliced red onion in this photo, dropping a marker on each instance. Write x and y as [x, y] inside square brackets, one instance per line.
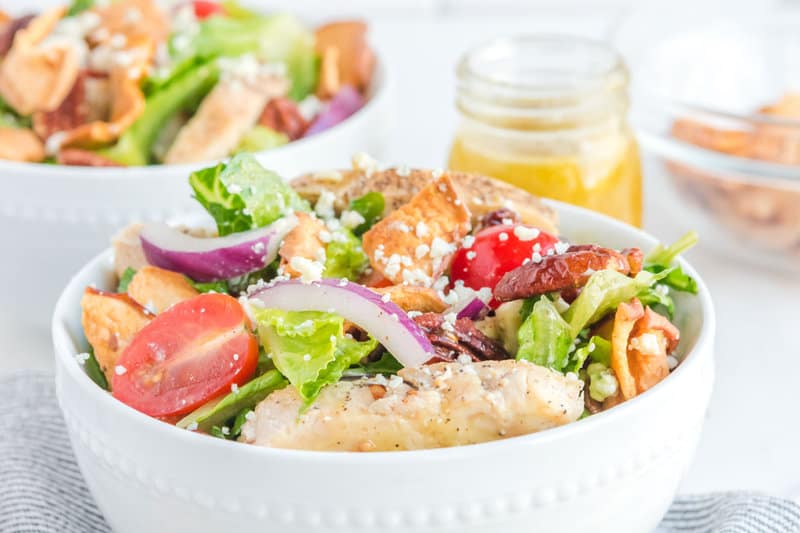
[213, 258]
[384, 320]
[474, 310]
[346, 102]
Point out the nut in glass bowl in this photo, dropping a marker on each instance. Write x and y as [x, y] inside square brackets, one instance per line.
[724, 128]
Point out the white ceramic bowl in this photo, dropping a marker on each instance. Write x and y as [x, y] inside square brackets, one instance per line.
[613, 472]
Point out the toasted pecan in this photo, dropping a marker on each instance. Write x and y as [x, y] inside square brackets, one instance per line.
[462, 338]
[283, 115]
[572, 269]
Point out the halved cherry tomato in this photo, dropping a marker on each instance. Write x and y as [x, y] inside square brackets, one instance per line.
[497, 250]
[204, 9]
[189, 354]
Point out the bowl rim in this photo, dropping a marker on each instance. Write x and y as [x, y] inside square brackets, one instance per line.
[379, 95]
[702, 349]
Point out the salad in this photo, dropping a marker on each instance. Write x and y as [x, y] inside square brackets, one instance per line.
[376, 309]
[138, 82]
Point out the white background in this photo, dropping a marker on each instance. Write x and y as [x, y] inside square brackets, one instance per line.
[751, 438]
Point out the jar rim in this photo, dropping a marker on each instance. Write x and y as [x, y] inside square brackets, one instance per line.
[570, 64]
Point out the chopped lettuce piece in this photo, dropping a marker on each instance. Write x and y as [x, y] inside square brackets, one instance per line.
[266, 196]
[234, 9]
[275, 38]
[309, 347]
[10, 118]
[243, 195]
[602, 382]
[370, 206]
[217, 412]
[227, 209]
[212, 286]
[604, 291]
[544, 337]
[125, 279]
[596, 349]
[344, 256]
[676, 278]
[92, 369]
[261, 138]
[387, 365]
[657, 296]
[665, 256]
[79, 6]
[135, 145]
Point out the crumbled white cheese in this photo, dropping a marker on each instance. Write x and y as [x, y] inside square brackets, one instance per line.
[561, 247]
[502, 237]
[120, 370]
[351, 219]
[364, 163]
[309, 270]
[421, 230]
[324, 205]
[468, 241]
[525, 233]
[422, 250]
[403, 171]
[441, 248]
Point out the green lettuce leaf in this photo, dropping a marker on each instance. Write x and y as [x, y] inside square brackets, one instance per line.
[92, 369]
[243, 195]
[275, 38]
[654, 297]
[387, 364]
[125, 279]
[261, 138]
[227, 209]
[597, 349]
[544, 337]
[309, 347]
[344, 256]
[370, 206]
[661, 255]
[604, 291]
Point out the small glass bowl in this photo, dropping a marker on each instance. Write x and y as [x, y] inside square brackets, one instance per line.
[732, 172]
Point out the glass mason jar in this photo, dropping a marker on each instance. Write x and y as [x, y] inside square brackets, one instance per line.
[548, 114]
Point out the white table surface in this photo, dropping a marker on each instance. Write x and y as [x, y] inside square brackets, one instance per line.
[751, 438]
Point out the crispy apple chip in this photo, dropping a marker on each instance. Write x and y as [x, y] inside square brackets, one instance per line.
[157, 289]
[414, 244]
[110, 321]
[20, 144]
[624, 320]
[37, 77]
[355, 60]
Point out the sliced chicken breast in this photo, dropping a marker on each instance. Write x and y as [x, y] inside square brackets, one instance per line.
[446, 404]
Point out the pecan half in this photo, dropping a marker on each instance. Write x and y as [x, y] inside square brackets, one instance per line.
[572, 269]
[71, 113]
[86, 158]
[464, 339]
[283, 115]
[498, 217]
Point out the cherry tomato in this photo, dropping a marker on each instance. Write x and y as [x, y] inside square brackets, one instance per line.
[189, 354]
[204, 9]
[497, 250]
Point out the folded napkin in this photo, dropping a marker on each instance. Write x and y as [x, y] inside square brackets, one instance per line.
[42, 491]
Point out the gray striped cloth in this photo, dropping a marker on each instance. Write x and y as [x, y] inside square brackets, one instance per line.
[42, 491]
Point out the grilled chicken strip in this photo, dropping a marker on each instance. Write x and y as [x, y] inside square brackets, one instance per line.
[445, 404]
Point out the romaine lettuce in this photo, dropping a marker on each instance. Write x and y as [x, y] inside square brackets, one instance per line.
[261, 138]
[125, 279]
[605, 290]
[370, 206]
[597, 349]
[309, 347]
[661, 259]
[544, 337]
[344, 257]
[243, 195]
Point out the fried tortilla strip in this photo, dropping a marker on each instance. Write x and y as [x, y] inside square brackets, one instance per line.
[35, 77]
[110, 321]
[444, 404]
[157, 289]
[303, 241]
[482, 195]
[355, 61]
[624, 321]
[20, 144]
[411, 298]
[231, 108]
[415, 243]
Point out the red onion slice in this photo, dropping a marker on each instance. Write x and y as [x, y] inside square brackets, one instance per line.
[384, 320]
[213, 258]
[346, 102]
[474, 310]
